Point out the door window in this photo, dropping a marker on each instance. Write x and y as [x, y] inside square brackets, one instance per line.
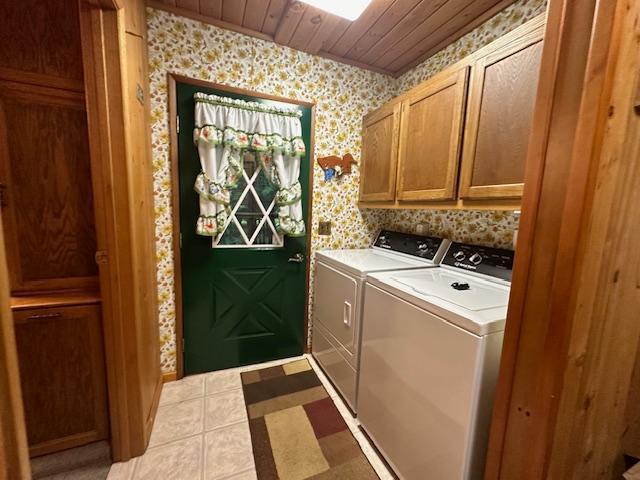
[251, 222]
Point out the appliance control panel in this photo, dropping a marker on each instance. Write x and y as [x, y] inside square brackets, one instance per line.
[429, 248]
[496, 262]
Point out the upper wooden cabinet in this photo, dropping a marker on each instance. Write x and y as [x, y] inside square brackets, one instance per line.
[380, 154]
[463, 134]
[501, 100]
[431, 138]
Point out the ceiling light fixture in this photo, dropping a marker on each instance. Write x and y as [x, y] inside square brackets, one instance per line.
[349, 9]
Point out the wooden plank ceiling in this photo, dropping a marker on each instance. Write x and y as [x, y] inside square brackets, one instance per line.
[391, 36]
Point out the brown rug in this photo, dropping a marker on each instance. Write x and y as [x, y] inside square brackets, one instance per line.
[296, 429]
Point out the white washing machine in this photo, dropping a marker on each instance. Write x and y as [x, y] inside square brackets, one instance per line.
[339, 286]
[431, 345]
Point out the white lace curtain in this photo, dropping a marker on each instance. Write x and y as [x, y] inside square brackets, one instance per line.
[225, 129]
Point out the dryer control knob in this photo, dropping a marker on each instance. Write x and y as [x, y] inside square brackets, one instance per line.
[459, 255]
[476, 259]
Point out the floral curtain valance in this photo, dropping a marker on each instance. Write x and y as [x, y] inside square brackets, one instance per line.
[225, 129]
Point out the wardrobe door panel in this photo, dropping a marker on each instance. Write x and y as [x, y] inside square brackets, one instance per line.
[46, 188]
[41, 43]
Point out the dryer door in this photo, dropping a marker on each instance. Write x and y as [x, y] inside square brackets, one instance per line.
[336, 308]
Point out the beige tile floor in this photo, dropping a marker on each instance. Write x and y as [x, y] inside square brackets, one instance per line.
[201, 431]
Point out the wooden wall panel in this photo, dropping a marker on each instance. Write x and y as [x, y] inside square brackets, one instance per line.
[273, 16]
[27, 28]
[631, 440]
[289, 22]
[233, 11]
[211, 8]
[572, 325]
[422, 10]
[49, 195]
[255, 14]
[63, 376]
[390, 18]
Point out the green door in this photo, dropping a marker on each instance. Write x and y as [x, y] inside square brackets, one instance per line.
[240, 304]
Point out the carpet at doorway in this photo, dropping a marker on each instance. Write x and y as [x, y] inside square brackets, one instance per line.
[296, 429]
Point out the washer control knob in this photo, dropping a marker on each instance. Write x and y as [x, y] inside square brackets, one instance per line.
[459, 255]
[476, 259]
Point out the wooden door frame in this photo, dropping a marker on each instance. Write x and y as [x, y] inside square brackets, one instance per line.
[14, 454]
[102, 33]
[555, 409]
[172, 80]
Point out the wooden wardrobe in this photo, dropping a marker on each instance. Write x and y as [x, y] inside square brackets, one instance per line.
[78, 258]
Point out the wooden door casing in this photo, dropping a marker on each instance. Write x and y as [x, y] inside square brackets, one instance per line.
[14, 457]
[62, 367]
[502, 93]
[432, 120]
[380, 154]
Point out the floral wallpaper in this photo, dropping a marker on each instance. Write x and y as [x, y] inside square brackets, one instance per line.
[342, 93]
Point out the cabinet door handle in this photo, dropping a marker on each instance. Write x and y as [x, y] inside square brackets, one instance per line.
[44, 315]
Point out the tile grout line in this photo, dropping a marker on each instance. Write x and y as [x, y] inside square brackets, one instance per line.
[203, 450]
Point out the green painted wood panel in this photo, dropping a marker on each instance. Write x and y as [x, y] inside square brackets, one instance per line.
[240, 306]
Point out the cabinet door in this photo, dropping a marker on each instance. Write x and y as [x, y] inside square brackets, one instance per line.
[62, 373]
[46, 188]
[501, 99]
[431, 138]
[379, 154]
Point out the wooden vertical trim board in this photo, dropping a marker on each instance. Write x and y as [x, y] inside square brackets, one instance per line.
[175, 207]
[311, 159]
[14, 455]
[602, 330]
[552, 380]
[172, 80]
[102, 148]
[133, 391]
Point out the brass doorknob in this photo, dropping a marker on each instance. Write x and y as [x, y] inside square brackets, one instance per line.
[297, 258]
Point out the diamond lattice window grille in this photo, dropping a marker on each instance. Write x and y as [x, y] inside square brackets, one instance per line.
[249, 209]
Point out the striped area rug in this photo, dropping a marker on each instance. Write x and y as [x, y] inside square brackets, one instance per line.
[296, 429]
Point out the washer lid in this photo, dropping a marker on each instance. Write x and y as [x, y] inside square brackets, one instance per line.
[440, 283]
[481, 309]
[362, 261]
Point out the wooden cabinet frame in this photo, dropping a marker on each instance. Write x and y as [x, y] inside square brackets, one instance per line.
[474, 104]
[502, 197]
[390, 110]
[457, 79]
